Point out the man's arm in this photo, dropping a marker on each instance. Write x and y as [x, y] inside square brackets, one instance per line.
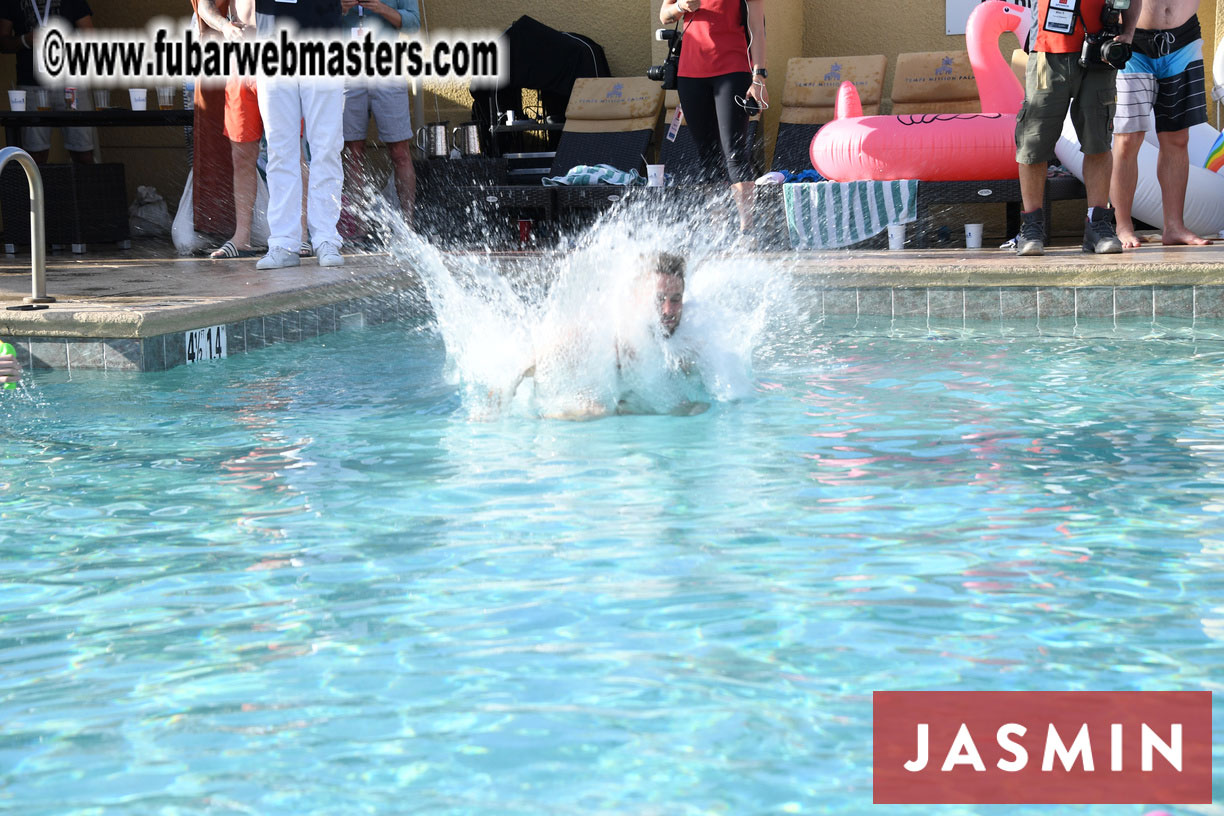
[1130, 20]
[214, 19]
[392, 14]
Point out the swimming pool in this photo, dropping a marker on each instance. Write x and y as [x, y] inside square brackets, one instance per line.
[302, 581]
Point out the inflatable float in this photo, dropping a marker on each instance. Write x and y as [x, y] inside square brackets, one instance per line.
[935, 147]
[1204, 211]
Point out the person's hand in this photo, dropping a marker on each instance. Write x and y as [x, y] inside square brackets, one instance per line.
[1125, 37]
[375, 6]
[688, 6]
[347, 5]
[233, 31]
[10, 369]
[758, 91]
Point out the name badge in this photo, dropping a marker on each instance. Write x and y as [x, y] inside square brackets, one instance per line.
[1060, 19]
[674, 129]
[358, 32]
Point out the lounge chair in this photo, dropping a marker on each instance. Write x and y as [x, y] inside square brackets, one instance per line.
[808, 100]
[609, 120]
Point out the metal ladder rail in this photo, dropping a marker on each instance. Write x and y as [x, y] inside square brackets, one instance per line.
[38, 229]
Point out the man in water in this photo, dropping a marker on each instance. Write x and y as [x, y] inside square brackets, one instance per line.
[551, 368]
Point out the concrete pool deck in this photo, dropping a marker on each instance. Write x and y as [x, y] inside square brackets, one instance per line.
[129, 309]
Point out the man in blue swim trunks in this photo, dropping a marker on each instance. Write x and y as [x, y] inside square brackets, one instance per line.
[1165, 77]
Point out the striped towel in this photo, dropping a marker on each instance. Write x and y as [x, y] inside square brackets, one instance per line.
[589, 174]
[832, 214]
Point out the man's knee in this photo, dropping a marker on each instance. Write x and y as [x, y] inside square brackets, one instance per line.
[1173, 139]
[1126, 145]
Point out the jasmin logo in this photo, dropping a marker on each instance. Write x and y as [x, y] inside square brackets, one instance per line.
[945, 66]
[834, 74]
[1042, 747]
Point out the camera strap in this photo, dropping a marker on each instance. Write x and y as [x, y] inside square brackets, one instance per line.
[1061, 15]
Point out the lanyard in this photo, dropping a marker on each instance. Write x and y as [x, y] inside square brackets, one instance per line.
[46, 13]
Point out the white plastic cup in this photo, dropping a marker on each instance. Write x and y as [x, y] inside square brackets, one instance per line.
[138, 97]
[101, 99]
[165, 98]
[973, 236]
[654, 175]
[42, 100]
[17, 100]
[896, 236]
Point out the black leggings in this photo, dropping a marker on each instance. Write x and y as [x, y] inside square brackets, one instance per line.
[718, 125]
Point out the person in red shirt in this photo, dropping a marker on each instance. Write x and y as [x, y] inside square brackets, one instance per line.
[1054, 81]
[722, 75]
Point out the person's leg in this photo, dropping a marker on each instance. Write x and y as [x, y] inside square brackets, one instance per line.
[1181, 103]
[405, 177]
[733, 142]
[1136, 93]
[391, 106]
[281, 109]
[1038, 125]
[1122, 184]
[356, 121]
[320, 100]
[697, 102]
[1092, 113]
[245, 159]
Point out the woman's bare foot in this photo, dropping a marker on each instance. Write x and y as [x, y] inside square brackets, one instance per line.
[1182, 237]
[1129, 239]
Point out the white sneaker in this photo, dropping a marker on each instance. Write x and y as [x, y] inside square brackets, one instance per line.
[329, 255]
[278, 258]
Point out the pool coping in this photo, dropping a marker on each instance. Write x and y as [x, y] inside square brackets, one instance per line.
[122, 311]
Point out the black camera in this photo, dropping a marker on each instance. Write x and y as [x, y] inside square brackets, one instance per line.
[1100, 49]
[667, 72]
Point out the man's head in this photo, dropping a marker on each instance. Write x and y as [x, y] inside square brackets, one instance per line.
[669, 290]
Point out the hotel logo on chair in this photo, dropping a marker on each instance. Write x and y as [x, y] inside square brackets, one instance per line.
[945, 66]
[834, 74]
[615, 93]
[1041, 747]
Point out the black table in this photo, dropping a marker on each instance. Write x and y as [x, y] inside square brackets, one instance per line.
[14, 121]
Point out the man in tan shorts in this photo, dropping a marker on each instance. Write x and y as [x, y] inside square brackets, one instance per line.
[1054, 81]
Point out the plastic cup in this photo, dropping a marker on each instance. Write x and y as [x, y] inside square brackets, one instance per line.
[896, 236]
[165, 98]
[17, 100]
[654, 175]
[70, 98]
[137, 95]
[973, 236]
[41, 100]
[101, 99]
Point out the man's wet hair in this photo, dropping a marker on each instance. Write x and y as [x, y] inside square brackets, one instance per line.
[669, 263]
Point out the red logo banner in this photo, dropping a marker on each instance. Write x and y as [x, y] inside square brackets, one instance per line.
[1042, 747]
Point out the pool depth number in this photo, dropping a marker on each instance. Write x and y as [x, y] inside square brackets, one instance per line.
[205, 344]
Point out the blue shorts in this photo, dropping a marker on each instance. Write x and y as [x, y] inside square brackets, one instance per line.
[1170, 85]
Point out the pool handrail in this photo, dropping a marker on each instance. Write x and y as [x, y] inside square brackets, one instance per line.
[38, 229]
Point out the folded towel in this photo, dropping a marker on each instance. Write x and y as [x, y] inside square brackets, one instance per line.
[587, 175]
[832, 214]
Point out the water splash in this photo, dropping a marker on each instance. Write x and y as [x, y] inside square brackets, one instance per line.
[574, 333]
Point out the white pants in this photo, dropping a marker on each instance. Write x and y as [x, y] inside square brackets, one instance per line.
[283, 104]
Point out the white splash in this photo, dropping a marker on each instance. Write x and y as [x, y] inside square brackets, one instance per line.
[575, 334]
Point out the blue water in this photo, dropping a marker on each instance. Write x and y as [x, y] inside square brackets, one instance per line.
[301, 581]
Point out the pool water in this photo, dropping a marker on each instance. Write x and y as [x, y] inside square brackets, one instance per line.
[302, 580]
